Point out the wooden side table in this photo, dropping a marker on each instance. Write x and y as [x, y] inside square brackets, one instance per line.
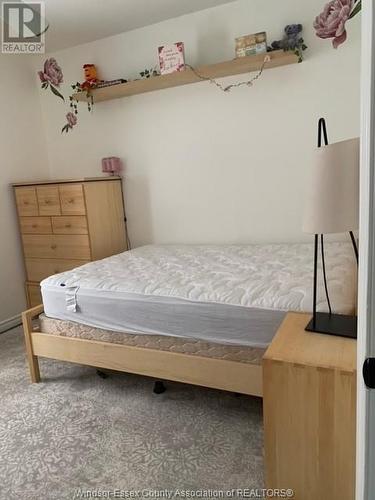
[309, 403]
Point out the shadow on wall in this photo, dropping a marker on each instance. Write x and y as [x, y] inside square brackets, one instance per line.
[138, 210]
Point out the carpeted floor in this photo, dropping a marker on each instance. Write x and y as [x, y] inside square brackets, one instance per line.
[77, 432]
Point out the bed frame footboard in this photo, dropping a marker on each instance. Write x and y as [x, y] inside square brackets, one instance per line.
[244, 378]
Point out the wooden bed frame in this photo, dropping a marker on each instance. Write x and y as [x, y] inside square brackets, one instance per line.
[234, 376]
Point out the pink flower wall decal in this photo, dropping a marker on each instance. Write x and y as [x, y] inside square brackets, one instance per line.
[331, 22]
[51, 76]
[72, 120]
[51, 72]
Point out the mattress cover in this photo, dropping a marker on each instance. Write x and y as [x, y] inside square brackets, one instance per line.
[191, 290]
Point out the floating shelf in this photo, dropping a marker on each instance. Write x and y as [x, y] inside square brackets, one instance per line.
[220, 70]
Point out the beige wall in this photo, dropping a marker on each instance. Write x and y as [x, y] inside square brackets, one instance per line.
[201, 165]
[23, 157]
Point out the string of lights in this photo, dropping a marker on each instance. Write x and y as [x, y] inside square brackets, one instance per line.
[228, 88]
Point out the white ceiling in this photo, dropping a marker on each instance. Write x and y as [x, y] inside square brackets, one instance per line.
[73, 22]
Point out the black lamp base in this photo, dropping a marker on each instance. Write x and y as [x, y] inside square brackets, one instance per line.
[334, 324]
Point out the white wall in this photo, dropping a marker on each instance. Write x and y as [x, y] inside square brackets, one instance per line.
[23, 157]
[201, 165]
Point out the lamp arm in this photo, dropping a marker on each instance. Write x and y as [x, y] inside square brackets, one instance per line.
[315, 285]
[324, 273]
[355, 248]
[322, 129]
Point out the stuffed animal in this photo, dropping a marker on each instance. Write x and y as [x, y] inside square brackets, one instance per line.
[91, 76]
[291, 41]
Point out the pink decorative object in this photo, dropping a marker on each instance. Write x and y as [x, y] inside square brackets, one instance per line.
[331, 22]
[111, 165]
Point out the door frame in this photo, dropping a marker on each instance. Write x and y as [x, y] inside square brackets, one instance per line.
[365, 482]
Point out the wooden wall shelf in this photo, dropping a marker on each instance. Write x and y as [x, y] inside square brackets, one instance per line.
[219, 70]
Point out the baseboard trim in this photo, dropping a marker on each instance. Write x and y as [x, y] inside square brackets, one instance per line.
[9, 323]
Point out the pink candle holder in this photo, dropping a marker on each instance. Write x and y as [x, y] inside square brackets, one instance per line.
[111, 165]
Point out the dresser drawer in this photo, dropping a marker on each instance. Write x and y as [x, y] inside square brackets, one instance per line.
[74, 224]
[56, 246]
[39, 269]
[72, 199]
[33, 294]
[26, 200]
[35, 225]
[48, 200]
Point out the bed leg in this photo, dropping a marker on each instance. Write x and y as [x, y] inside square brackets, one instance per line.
[159, 387]
[27, 318]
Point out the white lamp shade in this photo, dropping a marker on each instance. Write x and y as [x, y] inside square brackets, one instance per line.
[332, 204]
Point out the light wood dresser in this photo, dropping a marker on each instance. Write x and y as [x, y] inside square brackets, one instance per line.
[309, 404]
[65, 224]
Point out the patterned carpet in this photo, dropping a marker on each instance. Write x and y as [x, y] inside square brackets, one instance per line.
[78, 432]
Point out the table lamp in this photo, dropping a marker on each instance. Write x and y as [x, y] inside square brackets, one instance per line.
[332, 207]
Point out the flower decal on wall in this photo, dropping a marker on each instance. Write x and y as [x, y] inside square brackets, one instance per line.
[51, 76]
[72, 120]
[331, 22]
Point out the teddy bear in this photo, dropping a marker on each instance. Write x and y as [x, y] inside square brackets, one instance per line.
[292, 41]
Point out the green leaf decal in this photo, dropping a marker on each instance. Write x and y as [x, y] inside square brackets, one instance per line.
[56, 92]
[356, 9]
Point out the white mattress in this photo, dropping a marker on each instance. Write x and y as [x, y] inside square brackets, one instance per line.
[234, 294]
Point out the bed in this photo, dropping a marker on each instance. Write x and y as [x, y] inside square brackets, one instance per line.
[201, 314]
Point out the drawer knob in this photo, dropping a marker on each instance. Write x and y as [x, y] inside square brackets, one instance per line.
[34, 226]
[53, 247]
[71, 200]
[68, 226]
[25, 202]
[47, 202]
